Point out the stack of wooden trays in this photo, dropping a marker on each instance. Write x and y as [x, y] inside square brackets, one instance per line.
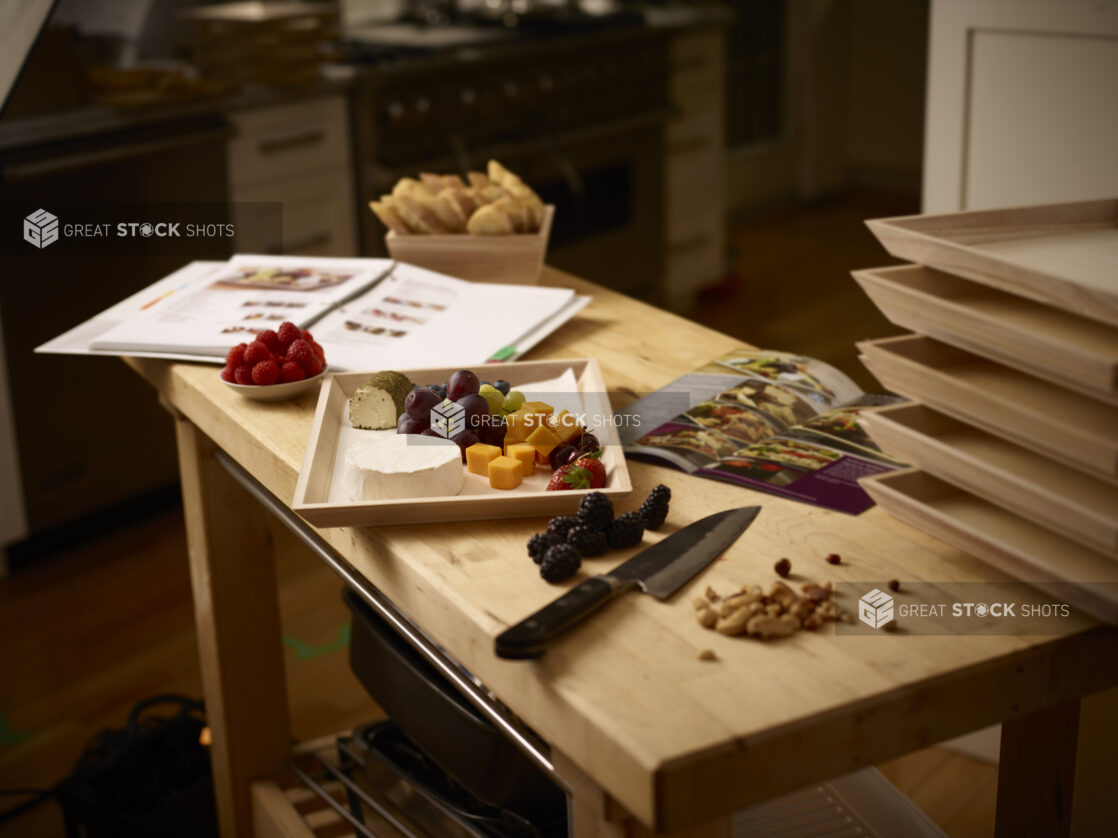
[274, 43]
[1013, 369]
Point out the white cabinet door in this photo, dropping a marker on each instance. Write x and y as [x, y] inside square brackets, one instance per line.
[1022, 103]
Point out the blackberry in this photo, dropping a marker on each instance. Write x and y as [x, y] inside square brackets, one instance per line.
[560, 562]
[626, 531]
[595, 511]
[560, 525]
[587, 541]
[655, 507]
[538, 544]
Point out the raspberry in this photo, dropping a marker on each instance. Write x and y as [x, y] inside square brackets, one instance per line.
[301, 353]
[236, 355]
[243, 374]
[589, 542]
[318, 350]
[626, 531]
[291, 371]
[229, 374]
[595, 511]
[538, 544]
[266, 372]
[288, 332]
[560, 562]
[270, 339]
[256, 352]
[306, 335]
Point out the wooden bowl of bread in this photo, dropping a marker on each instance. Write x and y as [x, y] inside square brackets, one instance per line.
[493, 228]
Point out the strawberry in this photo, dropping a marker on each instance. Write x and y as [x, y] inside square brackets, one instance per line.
[569, 477]
[236, 356]
[597, 471]
[290, 371]
[266, 372]
[229, 374]
[256, 352]
[270, 339]
[288, 332]
[243, 374]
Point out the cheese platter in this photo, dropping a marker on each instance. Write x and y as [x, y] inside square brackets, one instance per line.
[1062, 255]
[1058, 346]
[354, 476]
[1045, 559]
[1001, 472]
[1059, 423]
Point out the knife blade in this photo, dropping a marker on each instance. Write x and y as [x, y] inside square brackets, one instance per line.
[659, 570]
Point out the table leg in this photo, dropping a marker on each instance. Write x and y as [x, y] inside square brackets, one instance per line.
[593, 814]
[1057, 770]
[237, 620]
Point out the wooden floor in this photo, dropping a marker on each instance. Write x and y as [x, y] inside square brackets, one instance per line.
[88, 632]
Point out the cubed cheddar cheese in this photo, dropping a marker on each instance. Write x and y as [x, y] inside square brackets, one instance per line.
[538, 407]
[505, 472]
[479, 456]
[566, 426]
[525, 453]
[543, 439]
[519, 424]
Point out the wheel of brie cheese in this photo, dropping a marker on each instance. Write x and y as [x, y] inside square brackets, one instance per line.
[391, 465]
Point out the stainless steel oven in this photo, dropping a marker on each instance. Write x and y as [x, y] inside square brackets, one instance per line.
[580, 118]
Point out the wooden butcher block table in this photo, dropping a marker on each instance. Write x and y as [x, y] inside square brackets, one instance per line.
[647, 736]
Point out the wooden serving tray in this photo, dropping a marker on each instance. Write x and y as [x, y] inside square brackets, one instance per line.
[1055, 345]
[1044, 559]
[1077, 430]
[1035, 487]
[1063, 255]
[312, 490]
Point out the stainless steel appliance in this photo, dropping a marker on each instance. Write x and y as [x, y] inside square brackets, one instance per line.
[574, 105]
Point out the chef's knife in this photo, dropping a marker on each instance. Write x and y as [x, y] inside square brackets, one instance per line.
[660, 570]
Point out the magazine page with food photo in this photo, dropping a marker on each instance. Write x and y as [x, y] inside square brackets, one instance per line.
[249, 293]
[790, 428]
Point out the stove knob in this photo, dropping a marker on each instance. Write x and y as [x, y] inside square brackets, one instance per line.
[468, 96]
[512, 90]
[547, 84]
[395, 111]
[423, 105]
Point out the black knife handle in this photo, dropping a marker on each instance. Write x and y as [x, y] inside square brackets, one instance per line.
[529, 637]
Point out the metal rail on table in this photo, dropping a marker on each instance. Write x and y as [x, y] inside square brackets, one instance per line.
[524, 739]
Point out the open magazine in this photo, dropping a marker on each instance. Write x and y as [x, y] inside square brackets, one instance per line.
[771, 421]
[366, 313]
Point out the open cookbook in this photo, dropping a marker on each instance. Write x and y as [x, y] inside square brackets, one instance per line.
[366, 313]
[767, 420]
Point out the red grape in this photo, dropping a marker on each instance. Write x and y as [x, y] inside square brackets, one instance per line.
[493, 432]
[462, 383]
[477, 410]
[419, 402]
[465, 439]
[407, 425]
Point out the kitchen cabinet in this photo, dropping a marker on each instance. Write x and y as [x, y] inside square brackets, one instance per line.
[1021, 103]
[296, 155]
[694, 166]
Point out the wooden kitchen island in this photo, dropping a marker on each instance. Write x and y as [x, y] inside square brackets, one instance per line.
[647, 737]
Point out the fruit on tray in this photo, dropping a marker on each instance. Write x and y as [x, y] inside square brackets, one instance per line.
[378, 403]
[389, 466]
[495, 203]
[275, 357]
[505, 473]
[479, 457]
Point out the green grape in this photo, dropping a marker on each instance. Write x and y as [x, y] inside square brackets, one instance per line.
[494, 397]
[514, 401]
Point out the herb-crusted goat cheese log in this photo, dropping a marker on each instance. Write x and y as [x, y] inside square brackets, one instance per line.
[378, 403]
